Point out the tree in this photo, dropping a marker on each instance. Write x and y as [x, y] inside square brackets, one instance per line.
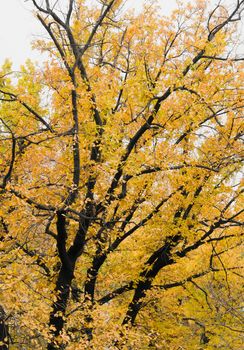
[121, 180]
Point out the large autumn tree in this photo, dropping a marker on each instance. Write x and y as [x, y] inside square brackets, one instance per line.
[121, 181]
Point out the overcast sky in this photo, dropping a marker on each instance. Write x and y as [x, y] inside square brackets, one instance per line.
[18, 28]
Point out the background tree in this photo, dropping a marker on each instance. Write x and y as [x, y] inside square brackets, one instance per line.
[121, 180]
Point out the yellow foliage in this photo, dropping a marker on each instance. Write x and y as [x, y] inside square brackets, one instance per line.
[121, 181]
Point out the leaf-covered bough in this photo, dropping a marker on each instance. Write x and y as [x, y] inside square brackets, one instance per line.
[121, 180]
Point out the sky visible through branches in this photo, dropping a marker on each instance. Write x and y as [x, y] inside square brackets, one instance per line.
[18, 28]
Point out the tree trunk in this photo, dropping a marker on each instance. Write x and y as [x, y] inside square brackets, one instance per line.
[4, 335]
[56, 321]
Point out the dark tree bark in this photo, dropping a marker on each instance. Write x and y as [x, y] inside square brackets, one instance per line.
[56, 320]
[158, 260]
[4, 334]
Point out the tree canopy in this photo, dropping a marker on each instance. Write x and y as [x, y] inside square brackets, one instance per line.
[121, 180]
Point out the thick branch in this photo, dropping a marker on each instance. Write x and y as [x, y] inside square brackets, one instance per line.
[13, 151]
[29, 108]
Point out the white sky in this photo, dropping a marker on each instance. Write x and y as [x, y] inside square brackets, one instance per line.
[18, 28]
